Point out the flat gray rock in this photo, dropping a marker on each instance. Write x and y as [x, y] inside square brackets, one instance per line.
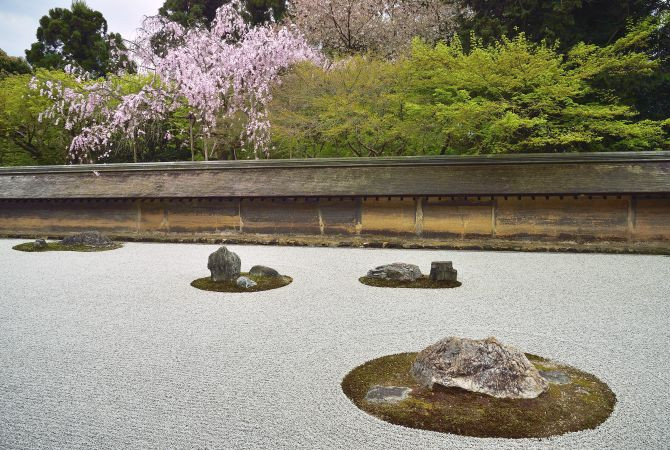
[387, 394]
[396, 271]
[555, 376]
[90, 238]
[263, 271]
[245, 282]
[40, 243]
[224, 265]
[485, 366]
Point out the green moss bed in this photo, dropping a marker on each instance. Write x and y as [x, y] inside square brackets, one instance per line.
[58, 247]
[583, 403]
[263, 284]
[422, 283]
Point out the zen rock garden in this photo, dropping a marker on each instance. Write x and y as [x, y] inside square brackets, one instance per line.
[226, 276]
[479, 388]
[88, 241]
[469, 387]
[403, 275]
[391, 352]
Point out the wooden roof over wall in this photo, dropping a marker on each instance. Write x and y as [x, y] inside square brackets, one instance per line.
[537, 174]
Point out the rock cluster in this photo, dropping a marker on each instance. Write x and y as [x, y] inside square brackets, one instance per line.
[90, 238]
[224, 265]
[484, 366]
[396, 271]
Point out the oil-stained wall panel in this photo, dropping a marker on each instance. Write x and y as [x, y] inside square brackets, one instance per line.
[569, 217]
[340, 216]
[651, 218]
[190, 215]
[457, 217]
[393, 216]
[68, 216]
[280, 216]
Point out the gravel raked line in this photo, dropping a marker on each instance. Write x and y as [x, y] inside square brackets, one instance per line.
[116, 349]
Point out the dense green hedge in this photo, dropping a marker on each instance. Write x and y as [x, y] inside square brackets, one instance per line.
[511, 96]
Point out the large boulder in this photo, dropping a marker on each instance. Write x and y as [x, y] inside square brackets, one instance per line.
[396, 271]
[485, 366]
[90, 238]
[263, 271]
[224, 265]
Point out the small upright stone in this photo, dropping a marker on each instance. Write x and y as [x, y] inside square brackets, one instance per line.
[396, 271]
[224, 265]
[246, 283]
[90, 238]
[263, 271]
[40, 244]
[443, 271]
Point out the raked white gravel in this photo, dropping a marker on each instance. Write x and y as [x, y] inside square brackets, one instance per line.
[117, 350]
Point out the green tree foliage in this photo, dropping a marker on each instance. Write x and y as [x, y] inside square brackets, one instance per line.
[598, 22]
[11, 65]
[27, 140]
[24, 139]
[77, 36]
[595, 22]
[353, 109]
[190, 13]
[511, 96]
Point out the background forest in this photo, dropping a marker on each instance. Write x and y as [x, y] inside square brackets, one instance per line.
[308, 78]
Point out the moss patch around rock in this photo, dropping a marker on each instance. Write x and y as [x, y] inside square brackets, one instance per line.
[422, 283]
[262, 284]
[58, 247]
[584, 403]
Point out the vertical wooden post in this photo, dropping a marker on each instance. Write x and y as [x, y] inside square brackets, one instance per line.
[632, 204]
[418, 219]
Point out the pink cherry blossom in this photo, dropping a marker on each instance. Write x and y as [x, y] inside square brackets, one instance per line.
[216, 73]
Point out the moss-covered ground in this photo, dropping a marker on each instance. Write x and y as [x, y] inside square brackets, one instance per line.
[422, 283]
[58, 247]
[263, 284]
[584, 403]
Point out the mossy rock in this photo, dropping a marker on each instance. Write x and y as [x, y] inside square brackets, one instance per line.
[58, 247]
[262, 284]
[584, 403]
[422, 283]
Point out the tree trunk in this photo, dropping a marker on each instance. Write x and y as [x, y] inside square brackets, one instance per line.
[135, 146]
[190, 132]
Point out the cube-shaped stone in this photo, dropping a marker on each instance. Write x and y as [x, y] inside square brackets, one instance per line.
[443, 271]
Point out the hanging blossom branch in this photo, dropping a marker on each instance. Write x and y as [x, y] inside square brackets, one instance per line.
[216, 73]
[97, 113]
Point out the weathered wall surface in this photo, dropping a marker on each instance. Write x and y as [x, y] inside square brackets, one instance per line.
[609, 218]
[336, 200]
